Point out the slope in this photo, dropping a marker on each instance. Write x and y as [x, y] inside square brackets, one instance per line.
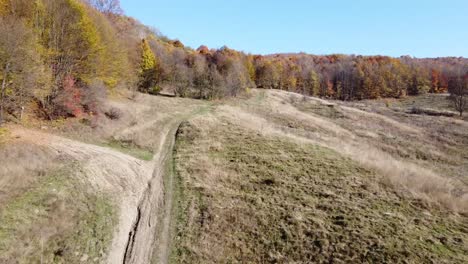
[133, 187]
[278, 177]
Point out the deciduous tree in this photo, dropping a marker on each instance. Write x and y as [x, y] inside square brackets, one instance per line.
[107, 6]
[458, 88]
[21, 70]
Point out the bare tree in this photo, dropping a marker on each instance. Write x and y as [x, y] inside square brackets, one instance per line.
[215, 81]
[182, 80]
[458, 88]
[236, 79]
[107, 6]
[201, 75]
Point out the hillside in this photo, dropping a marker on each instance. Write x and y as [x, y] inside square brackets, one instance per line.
[270, 177]
[74, 194]
[285, 178]
[61, 59]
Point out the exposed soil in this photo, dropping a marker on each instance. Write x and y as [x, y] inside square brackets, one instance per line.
[140, 188]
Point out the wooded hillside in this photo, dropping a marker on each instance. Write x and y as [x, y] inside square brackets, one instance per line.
[60, 58]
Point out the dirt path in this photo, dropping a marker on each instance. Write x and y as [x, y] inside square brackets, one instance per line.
[142, 190]
[150, 237]
[106, 170]
[144, 207]
[153, 214]
[164, 241]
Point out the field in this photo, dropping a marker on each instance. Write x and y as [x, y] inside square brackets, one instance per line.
[281, 178]
[268, 177]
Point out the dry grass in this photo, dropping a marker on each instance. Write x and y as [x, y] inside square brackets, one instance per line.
[22, 164]
[259, 198]
[53, 218]
[411, 179]
[138, 127]
[4, 135]
[276, 177]
[405, 155]
[47, 210]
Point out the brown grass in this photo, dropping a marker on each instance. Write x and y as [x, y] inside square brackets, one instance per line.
[411, 165]
[47, 215]
[22, 164]
[261, 198]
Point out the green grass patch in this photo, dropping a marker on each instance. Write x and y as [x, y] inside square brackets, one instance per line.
[57, 220]
[328, 111]
[130, 148]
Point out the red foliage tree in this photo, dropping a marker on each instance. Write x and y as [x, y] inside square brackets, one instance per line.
[69, 99]
[435, 83]
[203, 49]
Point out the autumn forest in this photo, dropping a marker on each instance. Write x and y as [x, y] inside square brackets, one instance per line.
[60, 58]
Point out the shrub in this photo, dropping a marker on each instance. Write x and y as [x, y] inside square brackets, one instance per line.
[113, 113]
[74, 99]
[94, 96]
[154, 90]
[68, 101]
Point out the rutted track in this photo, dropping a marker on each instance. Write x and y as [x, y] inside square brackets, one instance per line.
[141, 190]
[153, 219]
[106, 170]
[144, 199]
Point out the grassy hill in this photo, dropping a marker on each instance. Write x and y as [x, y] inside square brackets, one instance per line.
[280, 178]
[271, 176]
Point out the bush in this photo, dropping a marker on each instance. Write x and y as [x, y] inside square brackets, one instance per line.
[68, 101]
[154, 90]
[113, 113]
[76, 98]
[94, 96]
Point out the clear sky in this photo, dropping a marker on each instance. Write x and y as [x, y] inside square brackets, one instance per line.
[420, 28]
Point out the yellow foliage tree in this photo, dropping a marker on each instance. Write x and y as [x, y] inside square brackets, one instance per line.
[148, 59]
[148, 69]
[89, 43]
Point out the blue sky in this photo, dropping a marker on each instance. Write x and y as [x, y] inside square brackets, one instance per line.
[418, 28]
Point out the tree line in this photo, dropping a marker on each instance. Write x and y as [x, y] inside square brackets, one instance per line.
[206, 73]
[60, 58]
[359, 77]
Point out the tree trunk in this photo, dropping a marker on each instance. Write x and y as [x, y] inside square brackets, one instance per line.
[22, 112]
[462, 104]
[2, 92]
[459, 102]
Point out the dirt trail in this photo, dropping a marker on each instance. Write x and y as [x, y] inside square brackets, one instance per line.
[107, 171]
[153, 215]
[163, 249]
[138, 186]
